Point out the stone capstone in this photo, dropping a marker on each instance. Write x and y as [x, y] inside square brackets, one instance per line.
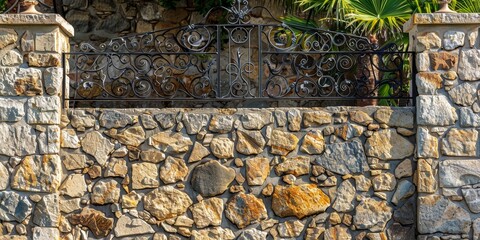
[98, 146]
[344, 158]
[211, 178]
[245, 209]
[282, 142]
[299, 201]
[166, 202]
[250, 142]
[372, 215]
[18, 140]
[208, 212]
[105, 191]
[460, 142]
[47, 211]
[438, 214]
[38, 174]
[456, 173]
[94, 220]
[14, 207]
[170, 142]
[469, 65]
[388, 145]
[435, 111]
[129, 226]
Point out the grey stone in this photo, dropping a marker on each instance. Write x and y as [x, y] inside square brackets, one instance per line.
[372, 215]
[423, 62]
[113, 23]
[252, 234]
[11, 110]
[407, 213]
[250, 142]
[388, 145]
[472, 197]
[404, 190]
[44, 110]
[294, 117]
[105, 191]
[345, 196]
[150, 11]
[38, 174]
[116, 167]
[395, 117]
[435, 111]
[428, 83]
[256, 121]
[427, 144]
[114, 119]
[344, 158]
[47, 211]
[458, 173]
[464, 94]
[398, 232]
[98, 146]
[195, 122]
[166, 202]
[5, 179]
[129, 226]
[476, 229]
[14, 207]
[81, 120]
[11, 58]
[148, 122]
[70, 205]
[44, 233]
[53, 78]
[469, 65]
[69, 139]
[453, 40]
[438, 214]
[460, 142]
[468, 118]
[281, 118]
[18, 140]
[221, 123]
[211, 178]
[49, 141]
[73, 161]
[166, 120]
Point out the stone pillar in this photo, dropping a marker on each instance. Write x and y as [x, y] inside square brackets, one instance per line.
[31, 75]
[448, 119]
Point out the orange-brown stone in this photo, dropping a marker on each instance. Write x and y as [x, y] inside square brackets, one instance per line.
[443, 61]
[299, 201]
[94, 220]
[245, 209]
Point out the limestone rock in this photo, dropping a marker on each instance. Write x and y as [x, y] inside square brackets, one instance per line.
[468, 118]
[213, 234]
[290, 229]
[166, 202]
[282, 142]
[38, 174]
[252, 234]
[372, 215]
[435, 111]
[345, 196]
[133, 136]
[49, 141]
[428, 83]
[472, 197]
[405, 189]
[211, 178]
[281, 118]
[469, 65]
[250, 142]
[344, 158]
[438, 214]
[299, 201]
[166, 120]
[388, 145]
[426, 177]
[47, 211]
[384, 182]
[152, 156]
[7, 37]
[294, 117]
[455, 173]
[337, 232]
[81, 120]
[476, 228]
[464, 94]
[144, 175]
[195, 122]
[11, 110]
[74, 186]
[443, 60]
[257, 170]
[5, 179]
[407, 213]
[363, 183]
[74, 161]
[428, 41]
[348, 131]
[116, 167]
[395, 117]
[222, 147]
[313, 143]
[404, 169]
[70, 205]
[69, 139]
[173, 170]
[245, 209]
[18, 140]
[208, 212]
[114, 119]
[453, 40]
[44, 233]
[130, 200]
[361, 118]
[14, 207]
[427, 145]
[98, 146]
[297, 166]
[256, 121]
[94, 220]
[53, 78]
[316, 119]
[169, 142]
[129, 226]
[221, 123]
[198, 153]
[148, 122]
[460, 142]
[105, 191]
[43, 110]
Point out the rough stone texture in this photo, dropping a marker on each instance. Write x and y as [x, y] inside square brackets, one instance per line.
[69, 139]
[453, 40]
[294, 118]
[81, 120]
[345, 196]
[290, 229]
[361, 118]
[114, 119]
[250, 142]
[297, 166]
[222, 147]
[14, 207]
[313, 143]
[173, 170]
[460, 142]
[384, 182]
[105, 191]
[43, 233]
[213, 234]
[435, 111]
[47, 211]
[144, 175]
[428, 41]
[427, 144]
[404, 190]
[316, 119]
[49, 141]
[388, 145]
[74, 186]
[195, 122]
[38, 174]
[116, 167]
[211, 178]
[129, 226]
[472, 197]
[464, 94]
[7, 37]
[53, 78]
[19, 139]
[257, 170]
[133, 136]
[337, 232]
[94, 220]
[221, 123]
[372, 215]
[428, 83]
[170, 142]
[208, 212]
[299, 201]
[443, 60]
[282, 142]
[166, 202]
[426, 177]
[245, 209]
[344, 158]
[252, 234]
[256, 121]
[438, 214]
[198, 153]
[468, 118]
[395, 117]
[469, 65]
[5, 179]
[11, 110]
[98, 146]
[454, 173]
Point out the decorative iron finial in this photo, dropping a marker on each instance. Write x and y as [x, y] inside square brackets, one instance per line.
[444, 7]
[30, 5]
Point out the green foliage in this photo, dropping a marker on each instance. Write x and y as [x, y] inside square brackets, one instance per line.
[3, 5]
[468, 6]
[203, 6]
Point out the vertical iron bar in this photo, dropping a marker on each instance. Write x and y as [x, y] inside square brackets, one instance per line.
[64, 82]
[412, 81]
[219, 70]
[260, 61]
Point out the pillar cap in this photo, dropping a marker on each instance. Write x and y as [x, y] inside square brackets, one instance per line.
[37, 19]
[441, 18]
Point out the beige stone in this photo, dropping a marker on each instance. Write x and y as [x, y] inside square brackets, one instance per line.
[297, 166]
[426, 180]
[316, 119]
[214, 233]
[7, 37]
[245, 209]
[257, 170]
[460, 142]
[98, 146]
[372, 215]
[427, 144]
[388, 145]
[250, 142]
[173, 170]
[384, 182]
[38, 174]
[44, 60]
[74, 186]
[208, 212]
[198, 153]
[133, 136]
[170, 142]
[290, 229]
[144, 175]
[166, 202]
[105, 191]
[427, 41]
[313, 143]
[361, 118]
[282, 142]
[222, 147]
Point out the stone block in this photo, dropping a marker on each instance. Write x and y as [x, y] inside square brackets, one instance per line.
[11, 58]
[38, 174]
[44, 110]
[17, 140]
[7, 37]
[468, 118]
[469, 65]
[12, 109]
[458, 173]
[427, 41]
[47, 42]
[453, 40]
[43, 233]
[428, 83]
[435, 111]
[44, 59]
[20, 81]
[464, 94]
[438, 214]
[423, 62]
[427, 145]
[460, 142]
[426, 179]
[443, 60]
[53, 80]
[49, 141]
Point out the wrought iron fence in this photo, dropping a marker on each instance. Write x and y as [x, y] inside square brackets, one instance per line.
[238, 60]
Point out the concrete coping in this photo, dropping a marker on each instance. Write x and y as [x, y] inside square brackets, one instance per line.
[37, 19]
[441, 18]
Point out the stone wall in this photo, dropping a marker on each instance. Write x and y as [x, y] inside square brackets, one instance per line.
[448, 117]
[277, 173]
